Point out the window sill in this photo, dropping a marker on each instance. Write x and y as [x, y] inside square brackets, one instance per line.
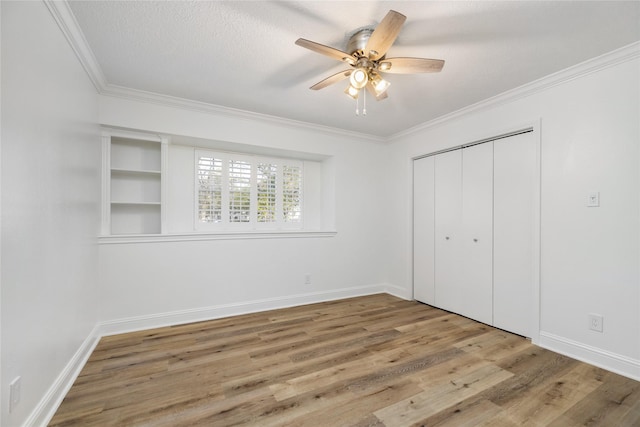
[199, 236]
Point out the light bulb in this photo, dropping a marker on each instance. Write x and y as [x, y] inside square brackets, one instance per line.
[379, 84]
[352, 92]
[359, 78]
[384, 66]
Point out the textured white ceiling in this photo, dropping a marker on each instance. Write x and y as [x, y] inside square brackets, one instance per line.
[241, 54]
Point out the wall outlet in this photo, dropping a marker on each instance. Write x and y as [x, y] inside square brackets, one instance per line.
[593, 200]
[595, 322]
[307, 279]
[14, 393]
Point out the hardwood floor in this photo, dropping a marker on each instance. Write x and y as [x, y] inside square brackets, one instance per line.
[368, 361]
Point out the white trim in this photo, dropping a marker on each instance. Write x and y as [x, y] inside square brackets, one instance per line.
[48, 405]
[610, 361]
[536, 292]
[164, 183]
[50, 402]
[69, 26]
[610, 59]
[113, 132]
[158, 320]
[66, 20]
[397, 291]
[71, 30]
[204, 107]
[106, 185]
[229, 235]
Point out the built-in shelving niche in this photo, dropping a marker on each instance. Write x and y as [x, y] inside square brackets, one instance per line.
[134, 172]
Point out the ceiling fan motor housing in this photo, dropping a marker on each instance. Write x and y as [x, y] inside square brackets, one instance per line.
[358, 41]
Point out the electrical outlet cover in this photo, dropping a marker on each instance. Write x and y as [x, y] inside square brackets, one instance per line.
[596, 322]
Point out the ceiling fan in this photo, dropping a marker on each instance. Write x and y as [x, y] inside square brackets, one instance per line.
[366, 54]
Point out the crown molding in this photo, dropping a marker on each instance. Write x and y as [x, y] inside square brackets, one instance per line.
[610, 59]
[69, 26]
[204, 107]
[66, 20]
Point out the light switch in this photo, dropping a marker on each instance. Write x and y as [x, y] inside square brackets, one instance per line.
[593, 200]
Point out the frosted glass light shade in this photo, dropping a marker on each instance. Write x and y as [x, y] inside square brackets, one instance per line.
[380, 85]
[352, 92]
[359, 78]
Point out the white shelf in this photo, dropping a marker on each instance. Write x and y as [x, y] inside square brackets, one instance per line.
[119, 171]
[133, 167]
[120, 202]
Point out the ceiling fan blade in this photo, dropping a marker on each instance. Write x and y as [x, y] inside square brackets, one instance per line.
[384, 35]
[326, 50]
[331, 80]
[372, 91]
[410, 65]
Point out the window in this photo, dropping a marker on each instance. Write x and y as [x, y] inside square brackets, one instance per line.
[246, 192]
[291, 185]
[239, 191]
[266, 187]
[209, 196]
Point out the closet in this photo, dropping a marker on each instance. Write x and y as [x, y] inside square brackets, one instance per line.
[474, 231]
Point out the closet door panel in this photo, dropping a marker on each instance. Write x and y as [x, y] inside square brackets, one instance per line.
[448, 240]
[514, 230]
[476, 298]
[423, 230]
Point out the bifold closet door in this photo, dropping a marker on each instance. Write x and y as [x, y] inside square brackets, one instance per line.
[423, 230]
[515, 191]
[476, 275]
[448, 239]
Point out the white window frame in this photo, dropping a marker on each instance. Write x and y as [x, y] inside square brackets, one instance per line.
[252, 225]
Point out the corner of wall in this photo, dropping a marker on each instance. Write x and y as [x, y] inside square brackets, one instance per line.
[46, 408]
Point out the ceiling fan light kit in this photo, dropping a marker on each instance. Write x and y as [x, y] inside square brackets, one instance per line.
[380, 85]
[359, 77]
[352, 92]
[366, 54]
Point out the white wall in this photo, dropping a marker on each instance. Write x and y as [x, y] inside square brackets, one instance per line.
[50, 300]
[155, 280]
[50, 204]
[590, 137]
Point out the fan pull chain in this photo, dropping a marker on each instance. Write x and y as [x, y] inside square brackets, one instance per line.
[364, 103]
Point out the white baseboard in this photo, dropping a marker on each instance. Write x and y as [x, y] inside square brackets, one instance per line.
[397, 291]
[48, 405]
[613, 362]
[159, 320]
[50, 402]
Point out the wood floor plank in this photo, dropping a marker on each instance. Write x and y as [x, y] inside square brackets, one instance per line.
[418, 409]
[552, 398]
[369, 361]
[613, 403]
[351, 411]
